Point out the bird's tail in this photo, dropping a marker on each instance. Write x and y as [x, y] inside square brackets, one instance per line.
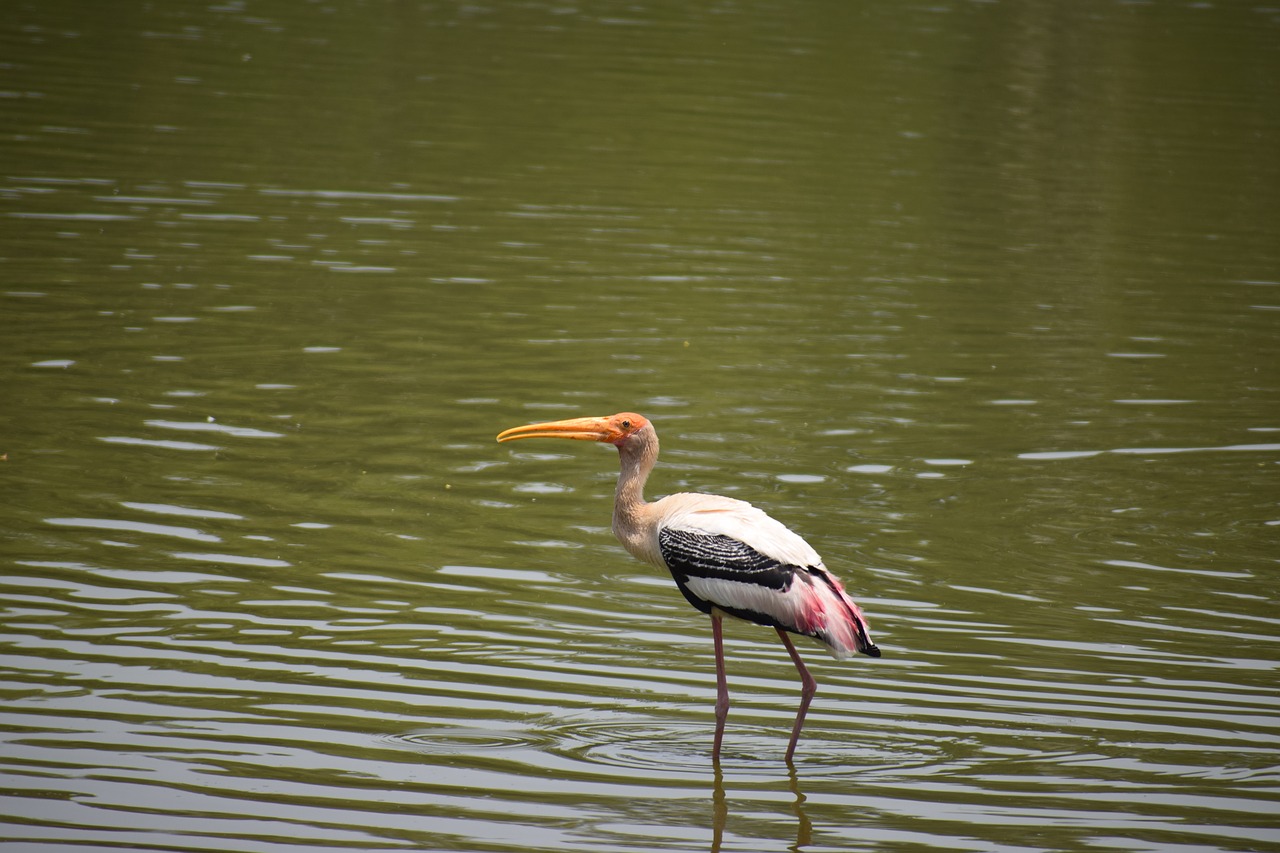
[845, 630]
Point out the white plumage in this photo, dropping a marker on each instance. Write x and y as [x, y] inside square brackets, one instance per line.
[716, 515]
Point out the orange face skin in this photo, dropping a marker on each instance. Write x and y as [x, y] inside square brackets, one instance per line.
[614, 429]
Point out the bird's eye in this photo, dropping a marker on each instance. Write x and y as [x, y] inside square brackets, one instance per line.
[626, 424]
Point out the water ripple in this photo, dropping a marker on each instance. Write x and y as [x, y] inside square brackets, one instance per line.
[450, 738]
[118, 525]
[213, 426]
[166, 444]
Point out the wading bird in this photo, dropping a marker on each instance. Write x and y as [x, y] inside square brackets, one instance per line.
[726, 556]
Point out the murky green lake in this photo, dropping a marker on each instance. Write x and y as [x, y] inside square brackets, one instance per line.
[983, 299]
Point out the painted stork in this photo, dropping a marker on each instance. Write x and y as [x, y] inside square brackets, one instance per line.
[727, 557]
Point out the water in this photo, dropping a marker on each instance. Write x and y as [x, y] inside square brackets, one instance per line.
[979, 298]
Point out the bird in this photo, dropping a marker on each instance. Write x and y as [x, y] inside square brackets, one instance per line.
[727, 557]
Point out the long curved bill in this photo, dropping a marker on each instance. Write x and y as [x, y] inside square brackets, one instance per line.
[583, 429]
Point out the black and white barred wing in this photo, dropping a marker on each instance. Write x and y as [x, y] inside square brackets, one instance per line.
[735, 558]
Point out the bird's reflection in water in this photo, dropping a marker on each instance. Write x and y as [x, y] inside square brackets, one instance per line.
[720, 811]
[804, 829]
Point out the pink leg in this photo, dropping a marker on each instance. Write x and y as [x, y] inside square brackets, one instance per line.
[722, 686]
[807, 688]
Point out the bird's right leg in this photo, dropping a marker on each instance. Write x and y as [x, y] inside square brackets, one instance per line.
[807, 688]
[722, 686]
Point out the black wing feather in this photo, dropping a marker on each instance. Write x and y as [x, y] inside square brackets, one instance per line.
[702, 555]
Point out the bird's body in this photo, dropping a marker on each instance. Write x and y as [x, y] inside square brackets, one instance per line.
[726, 556]
[777, 580]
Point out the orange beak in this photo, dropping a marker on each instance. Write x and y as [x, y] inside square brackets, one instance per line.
[582, 429]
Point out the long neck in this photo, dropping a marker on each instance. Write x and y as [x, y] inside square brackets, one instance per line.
[637, 456]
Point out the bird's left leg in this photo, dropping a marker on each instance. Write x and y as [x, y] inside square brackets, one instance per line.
[807, 688]
[722, 685]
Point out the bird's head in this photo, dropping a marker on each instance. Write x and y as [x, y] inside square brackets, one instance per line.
[614, 429]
